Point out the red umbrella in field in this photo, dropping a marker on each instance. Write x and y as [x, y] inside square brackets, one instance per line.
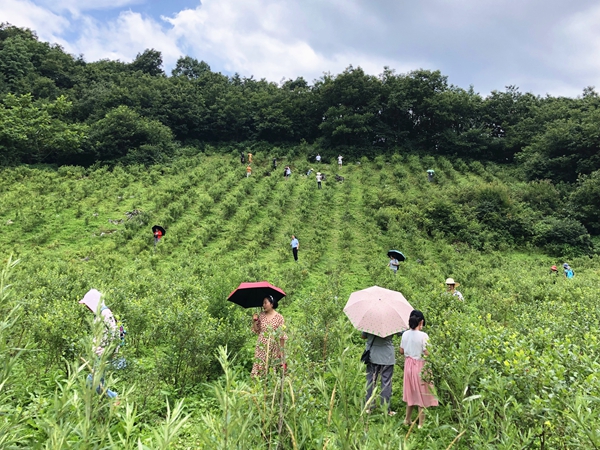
[251, 295]
[378, 311]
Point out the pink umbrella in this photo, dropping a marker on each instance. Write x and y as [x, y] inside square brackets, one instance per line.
[378, 311]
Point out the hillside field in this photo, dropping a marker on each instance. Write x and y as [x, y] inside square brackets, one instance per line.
[515, 365]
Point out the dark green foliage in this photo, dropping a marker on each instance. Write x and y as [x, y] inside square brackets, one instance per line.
[586, 201]
[562, 236]
[124, 134]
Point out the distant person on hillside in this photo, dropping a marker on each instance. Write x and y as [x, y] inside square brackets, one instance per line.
[249, 157]
[394, 264]
[242, 158]
[274, 163]
[295, 246]
[309, 172]
[415, 390]
[568, 271]
[430, 174]
[318, 158]
[287, 172]
[107, 342]
[248, 171]
[319, 179]
[554, 273]
[157, 236]
[340, 160]
[382, 358]
[451, 286]
[269, 326]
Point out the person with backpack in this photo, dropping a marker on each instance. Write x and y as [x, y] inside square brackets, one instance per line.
[319, 179]
[107, 342]
[382, 358]
[568, 271]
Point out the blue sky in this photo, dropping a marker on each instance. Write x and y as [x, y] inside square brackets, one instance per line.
[542, 46]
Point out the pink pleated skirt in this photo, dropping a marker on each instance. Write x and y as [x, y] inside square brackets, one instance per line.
[415, 391]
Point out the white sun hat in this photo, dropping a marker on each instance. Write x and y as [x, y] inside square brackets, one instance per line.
[92, 300]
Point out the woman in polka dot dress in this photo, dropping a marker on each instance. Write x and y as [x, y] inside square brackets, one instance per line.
[269, 325]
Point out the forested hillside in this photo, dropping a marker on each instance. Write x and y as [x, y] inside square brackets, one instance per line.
[95, 153]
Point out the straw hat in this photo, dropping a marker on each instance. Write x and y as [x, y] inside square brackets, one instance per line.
[451, 281]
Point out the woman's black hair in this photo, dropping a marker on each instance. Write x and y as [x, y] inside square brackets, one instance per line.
[272, 301]
[415, 318]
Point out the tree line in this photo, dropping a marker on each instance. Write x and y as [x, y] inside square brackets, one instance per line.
[58, 108]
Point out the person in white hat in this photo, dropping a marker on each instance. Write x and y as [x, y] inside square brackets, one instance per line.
[451, 286]
[110, 332]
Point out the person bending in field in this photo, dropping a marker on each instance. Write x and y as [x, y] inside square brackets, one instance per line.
[110, 336]
[242, 158]
[416, 391]
[568, 271]
[270, 326]
[248, 171]
[451, 286]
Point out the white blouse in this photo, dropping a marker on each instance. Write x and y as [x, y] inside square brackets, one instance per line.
[414, 343]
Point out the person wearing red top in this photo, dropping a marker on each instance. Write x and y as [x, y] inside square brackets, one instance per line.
[157, 236]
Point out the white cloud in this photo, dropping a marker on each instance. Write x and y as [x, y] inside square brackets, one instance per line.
[124, 38]
[579, 40]
[266, 39]
[25, 14]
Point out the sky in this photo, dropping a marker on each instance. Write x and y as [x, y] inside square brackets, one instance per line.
[547, 47]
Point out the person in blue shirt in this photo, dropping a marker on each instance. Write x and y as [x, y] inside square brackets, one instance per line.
[295, 246]
[568, 271]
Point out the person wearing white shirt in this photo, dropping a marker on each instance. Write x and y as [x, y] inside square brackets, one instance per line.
[415, 391]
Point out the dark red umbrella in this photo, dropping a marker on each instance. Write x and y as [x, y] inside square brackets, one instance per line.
[251, 295]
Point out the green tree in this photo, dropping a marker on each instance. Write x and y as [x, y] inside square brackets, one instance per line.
[150, 62]
[189, 67]
[350, 104]
[585, 201]
[124, 134]
[37, 132]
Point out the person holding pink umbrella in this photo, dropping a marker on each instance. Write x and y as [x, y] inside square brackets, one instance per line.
[415, 391]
